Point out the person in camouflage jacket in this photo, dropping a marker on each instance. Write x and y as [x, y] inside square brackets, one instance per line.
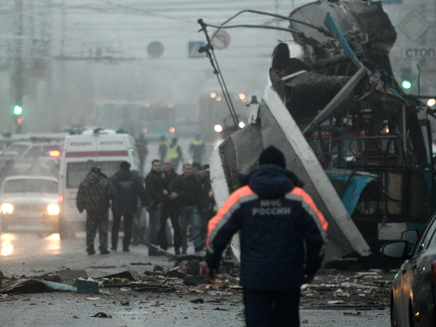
[94, 195]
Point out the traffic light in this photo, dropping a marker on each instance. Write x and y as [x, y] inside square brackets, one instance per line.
[18, 110]
[407, 78]
[406, 84]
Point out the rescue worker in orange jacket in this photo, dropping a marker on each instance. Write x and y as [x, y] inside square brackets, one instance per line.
[282, 234]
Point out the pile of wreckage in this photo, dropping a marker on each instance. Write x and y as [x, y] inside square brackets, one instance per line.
[186, 273]
[331, 289]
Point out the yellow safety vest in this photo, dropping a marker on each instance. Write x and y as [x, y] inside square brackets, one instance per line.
[173, 152]
[197, 142]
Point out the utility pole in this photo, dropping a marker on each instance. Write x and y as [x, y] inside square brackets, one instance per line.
[49, 110]
[18, 67]
[63, 63]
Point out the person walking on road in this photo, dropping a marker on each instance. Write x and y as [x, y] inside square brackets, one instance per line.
[189, 194]
[197, 149]
[94, 195]
[209, 205]
[142, 147]
[170, 208]
[175, 153]
[282, 235]
[155, 187]
[139, 228]
[163, 148]
[129, 188]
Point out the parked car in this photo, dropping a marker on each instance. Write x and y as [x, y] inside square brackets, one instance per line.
[413, 295]
[29, 201]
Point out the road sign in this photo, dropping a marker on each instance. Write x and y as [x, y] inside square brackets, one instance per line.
[193, 47]
[221, 40]
[413, 25]
[155, 49]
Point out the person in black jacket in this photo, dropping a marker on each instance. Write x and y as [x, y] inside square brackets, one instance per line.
[155, 186]
[209, 205]
[129, 188]
[282, 234]
[190, 197]
[170, 208]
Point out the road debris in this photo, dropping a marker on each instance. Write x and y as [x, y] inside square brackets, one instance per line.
[195, 280]
[341, 288]
[358, 313]
[37, 286]
[332, 289]
[101, 315]
[67, 275]
[86, 286]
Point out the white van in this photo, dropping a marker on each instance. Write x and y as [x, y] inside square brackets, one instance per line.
[103, 148]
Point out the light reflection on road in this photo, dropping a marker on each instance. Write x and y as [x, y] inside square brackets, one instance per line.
[53, 244]
[6, 246]
[23, 244]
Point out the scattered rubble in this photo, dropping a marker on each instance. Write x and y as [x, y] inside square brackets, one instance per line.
[101, 315]
[332, 288]
[36, 286]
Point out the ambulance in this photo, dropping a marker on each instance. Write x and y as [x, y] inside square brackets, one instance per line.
[98, 147]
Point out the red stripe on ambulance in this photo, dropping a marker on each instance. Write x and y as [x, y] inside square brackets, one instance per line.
[80, 154]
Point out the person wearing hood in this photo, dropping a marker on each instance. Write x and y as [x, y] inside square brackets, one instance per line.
[94, 195]
[282, 234]
[129, 188]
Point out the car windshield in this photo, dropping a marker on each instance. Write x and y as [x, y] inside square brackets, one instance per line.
[30, 185]
[77, 171]
[15, 150]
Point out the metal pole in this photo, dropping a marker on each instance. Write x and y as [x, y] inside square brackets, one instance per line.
[17, 72]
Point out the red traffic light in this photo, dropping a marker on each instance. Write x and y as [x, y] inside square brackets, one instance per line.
[19, 120]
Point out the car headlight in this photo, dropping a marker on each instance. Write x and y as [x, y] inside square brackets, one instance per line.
[53, 209]
[7, 208]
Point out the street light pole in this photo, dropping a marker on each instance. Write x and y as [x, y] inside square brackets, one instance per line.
[17, 72]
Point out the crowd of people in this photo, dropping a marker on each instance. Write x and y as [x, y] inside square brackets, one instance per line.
[185, 200]
[282, 232]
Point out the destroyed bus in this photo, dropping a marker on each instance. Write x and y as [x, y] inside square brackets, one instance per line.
[360, 144]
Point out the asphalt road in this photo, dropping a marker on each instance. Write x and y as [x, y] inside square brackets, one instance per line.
[33, 254]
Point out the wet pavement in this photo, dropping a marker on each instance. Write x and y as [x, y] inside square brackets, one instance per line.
[342, 298]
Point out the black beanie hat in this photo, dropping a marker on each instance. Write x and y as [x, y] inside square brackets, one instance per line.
[273, 156]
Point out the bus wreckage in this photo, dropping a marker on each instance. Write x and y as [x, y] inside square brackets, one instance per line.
[360, 145]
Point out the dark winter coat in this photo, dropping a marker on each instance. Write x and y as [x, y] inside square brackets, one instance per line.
[155, 186]
[94, 193]
[129, 188]
[276, 219]
[190, 192]
[171, 180]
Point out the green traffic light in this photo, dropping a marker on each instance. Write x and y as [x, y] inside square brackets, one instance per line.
[18, 110]
[406, 85]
